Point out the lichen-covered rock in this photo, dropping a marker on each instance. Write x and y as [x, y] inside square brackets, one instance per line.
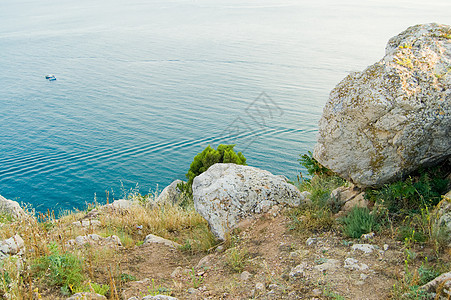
[13, 245]
[95, 239]
[86, 296]
[153, 239]
[228, 193]
[170, 194]
[395, 116]
[443, 216]
[443, 283]
[11, 208]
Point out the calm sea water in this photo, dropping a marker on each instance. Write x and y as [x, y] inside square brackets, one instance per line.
[143, 86]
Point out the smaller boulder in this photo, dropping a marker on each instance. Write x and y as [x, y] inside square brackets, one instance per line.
[11, 208]
[13, 245]
[170, 194]
[121, 204]
[347, 198]
[87, 223]
[444, 282]
[443, 215]
[86, 296]
[153, 239]
[225, 194]
[95, 239]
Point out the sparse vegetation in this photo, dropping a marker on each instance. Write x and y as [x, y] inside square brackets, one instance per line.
[236, 259]
[359, 221]
[402, 210]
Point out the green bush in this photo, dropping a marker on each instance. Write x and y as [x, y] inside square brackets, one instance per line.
[61, 269]
[412, 194]
[208, 157]
[313, 166]
[359, 221]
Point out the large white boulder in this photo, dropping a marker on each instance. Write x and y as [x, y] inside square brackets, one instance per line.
[395, 116]
[228, 193]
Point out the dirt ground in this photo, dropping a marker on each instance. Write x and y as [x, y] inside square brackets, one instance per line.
[272, 262]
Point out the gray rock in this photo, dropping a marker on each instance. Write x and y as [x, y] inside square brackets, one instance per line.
[86, 296]
[228, 193]
[260, 286]
[121, 204]
[153, 239]
[192, 291]
[206, 261]
[11, 208]
[443, 216]
[170, 194]
[245, 276]
[395, 116]
[310, 241]
[367, 236]
[299, 270]
[443, 280]
[159, 297]
[365, 248]
[87, 223]
[177, 272]
[95, 239]
[353, 264]
[328, 265]
[13, 245]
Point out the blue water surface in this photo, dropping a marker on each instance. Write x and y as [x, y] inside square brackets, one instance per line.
[143, 86]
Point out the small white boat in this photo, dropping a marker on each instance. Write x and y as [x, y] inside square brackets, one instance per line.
[50, 77]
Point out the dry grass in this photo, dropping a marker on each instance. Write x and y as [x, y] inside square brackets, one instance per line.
[101, 265]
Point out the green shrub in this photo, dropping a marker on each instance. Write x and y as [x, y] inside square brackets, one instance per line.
[236, 259]
[61, 269]
[412, 194]
[359, 221]
[313, 166]
[208, 157]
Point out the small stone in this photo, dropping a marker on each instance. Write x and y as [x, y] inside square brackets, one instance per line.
[205, 262]
[363, 276]
[220, 249]
[366, 248]
[192, 291]
[273, 286]
[87, 223]
[177, 272]
[385, 247]
[367, 236]
[260, 286]
[298, 271]
[329, 265]
[310, 241]
[353, 264]
[13, 245]
[159, 297]
[317, 292]
[85, 296]
[245, 276]
[153, 239]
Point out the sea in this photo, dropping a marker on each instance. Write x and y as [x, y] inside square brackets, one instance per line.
[142, 86]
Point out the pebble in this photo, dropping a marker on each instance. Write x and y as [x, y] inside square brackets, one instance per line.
[245, 276]
[259, 286]
[310, 241]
